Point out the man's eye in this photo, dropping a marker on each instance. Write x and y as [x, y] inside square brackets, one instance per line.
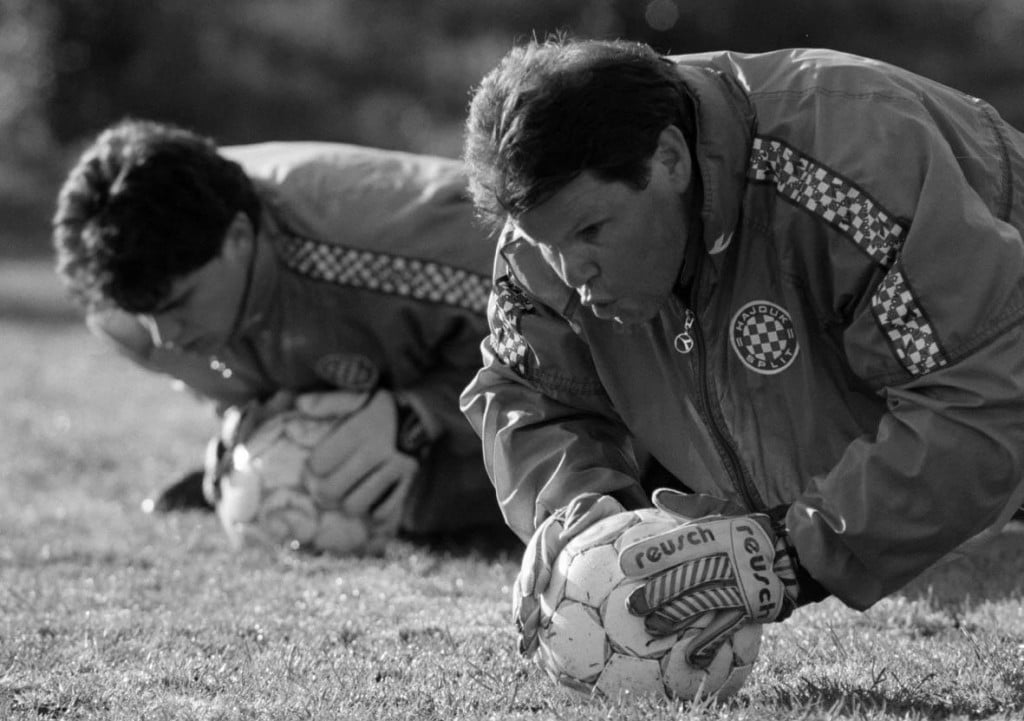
[589, 233]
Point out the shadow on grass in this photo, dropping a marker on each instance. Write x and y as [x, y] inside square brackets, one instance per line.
[487, 543]
[839, 700]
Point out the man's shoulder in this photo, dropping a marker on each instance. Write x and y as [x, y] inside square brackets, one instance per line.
[371, 203]
[352, 190]
[794, 70]
[279, 159]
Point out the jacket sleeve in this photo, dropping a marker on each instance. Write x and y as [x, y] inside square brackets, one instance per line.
[944, 465]
[934, 325]
[435, 395]
[547, 428]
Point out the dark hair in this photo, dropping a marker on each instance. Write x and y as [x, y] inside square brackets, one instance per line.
[145, 204]
[551, 110]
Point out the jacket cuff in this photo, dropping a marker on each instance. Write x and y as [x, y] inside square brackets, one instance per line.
[808, 589]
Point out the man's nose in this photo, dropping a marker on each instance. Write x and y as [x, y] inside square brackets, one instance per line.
[577, 271]
[163, 329]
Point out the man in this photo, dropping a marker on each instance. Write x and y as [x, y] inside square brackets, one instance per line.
[797, 278]
[244, 272]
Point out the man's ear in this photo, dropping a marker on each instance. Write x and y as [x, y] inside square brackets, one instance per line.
[240, 239]
[674, 154]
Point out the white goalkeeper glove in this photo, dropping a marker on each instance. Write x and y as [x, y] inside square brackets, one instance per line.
[546, 543]
[366, 466]
[718, 570]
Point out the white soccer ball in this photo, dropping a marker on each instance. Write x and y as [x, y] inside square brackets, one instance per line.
[266, 499]
[590, 642]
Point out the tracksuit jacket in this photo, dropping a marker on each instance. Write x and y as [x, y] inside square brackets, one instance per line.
[370, 271]
[844, 346]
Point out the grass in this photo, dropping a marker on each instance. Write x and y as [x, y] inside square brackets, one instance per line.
[107, 613]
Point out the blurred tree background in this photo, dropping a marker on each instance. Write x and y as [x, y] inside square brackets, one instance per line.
[398, 73]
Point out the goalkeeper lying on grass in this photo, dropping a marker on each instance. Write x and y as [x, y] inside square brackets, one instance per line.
[797, 278]
[297, 267]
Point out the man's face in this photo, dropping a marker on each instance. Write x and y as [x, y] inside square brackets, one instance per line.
[199, 313]
[620, 248]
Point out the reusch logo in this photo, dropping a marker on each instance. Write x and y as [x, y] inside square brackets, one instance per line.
[757, 560]
[667, 547]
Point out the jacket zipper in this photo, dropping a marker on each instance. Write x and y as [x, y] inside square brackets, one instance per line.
[692, 338]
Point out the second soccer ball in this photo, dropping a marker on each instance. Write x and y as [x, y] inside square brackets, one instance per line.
[265, 497]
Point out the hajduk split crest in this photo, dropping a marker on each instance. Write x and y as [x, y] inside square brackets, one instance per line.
[764, 337]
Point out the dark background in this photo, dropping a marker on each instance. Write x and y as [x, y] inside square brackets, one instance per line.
[397, 73]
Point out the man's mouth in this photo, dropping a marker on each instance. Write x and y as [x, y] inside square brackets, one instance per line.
[588, 299]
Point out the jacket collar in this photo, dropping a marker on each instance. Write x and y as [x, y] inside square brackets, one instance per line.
[725, 129]
[527, 267]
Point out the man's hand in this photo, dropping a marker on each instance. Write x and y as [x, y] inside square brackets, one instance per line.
[546, 543]
[736, 568]
[367, 464]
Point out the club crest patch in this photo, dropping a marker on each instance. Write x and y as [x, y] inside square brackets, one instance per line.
[510, 305]
[764, 337]
[348, 371]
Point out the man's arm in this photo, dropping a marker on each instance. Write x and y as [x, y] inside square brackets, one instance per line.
[932, 321]
[547, 428]
[945, 464]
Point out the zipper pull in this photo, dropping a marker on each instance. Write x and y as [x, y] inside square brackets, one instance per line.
[684, 341]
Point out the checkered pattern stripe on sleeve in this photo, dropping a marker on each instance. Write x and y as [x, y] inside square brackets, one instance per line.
[510, 305]
[408, 277]
[815, 188]
[904, 323]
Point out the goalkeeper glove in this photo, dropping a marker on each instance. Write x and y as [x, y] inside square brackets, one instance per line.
[714, 572]
[366, 466]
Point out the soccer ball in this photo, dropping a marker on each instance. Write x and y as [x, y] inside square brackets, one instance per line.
[265, 496]
[590, 642]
